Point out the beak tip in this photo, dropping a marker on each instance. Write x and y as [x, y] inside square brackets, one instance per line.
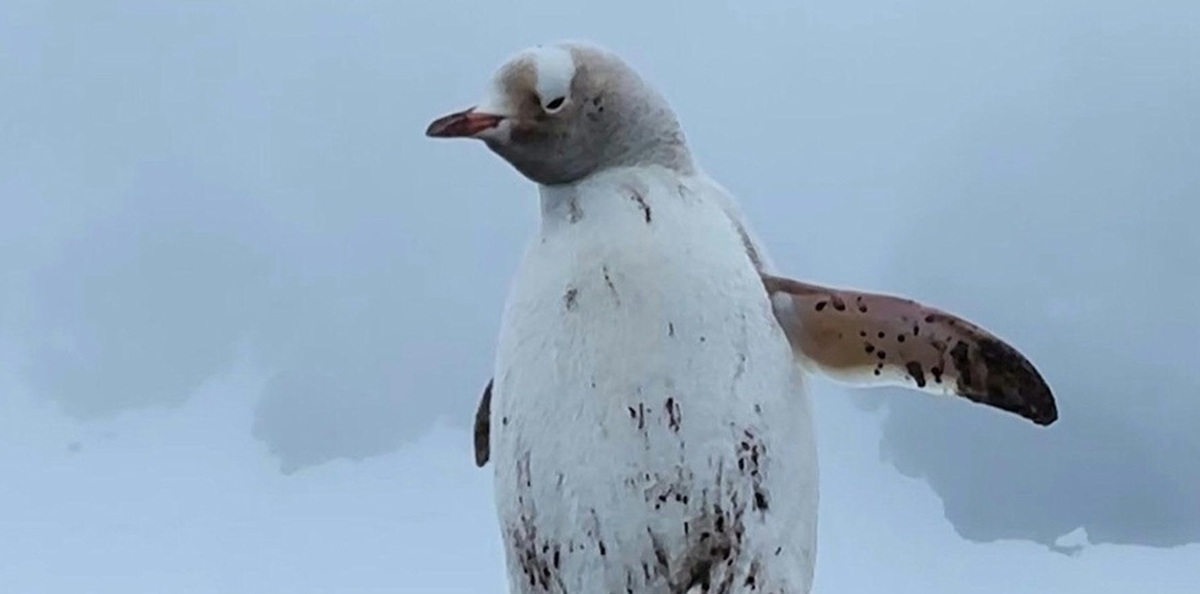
[440, 127]
[463, 124]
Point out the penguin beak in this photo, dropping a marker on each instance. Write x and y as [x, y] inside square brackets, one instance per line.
[463, 124]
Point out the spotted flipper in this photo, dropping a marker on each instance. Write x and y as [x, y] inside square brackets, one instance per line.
[483, 427]
[866, 339]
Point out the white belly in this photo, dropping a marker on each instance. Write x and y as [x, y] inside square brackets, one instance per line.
[651, 432]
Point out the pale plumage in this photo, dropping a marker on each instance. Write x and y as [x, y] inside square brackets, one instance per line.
[653, 432]
[648, 415]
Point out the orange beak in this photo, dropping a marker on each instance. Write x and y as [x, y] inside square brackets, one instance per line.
[463, 124]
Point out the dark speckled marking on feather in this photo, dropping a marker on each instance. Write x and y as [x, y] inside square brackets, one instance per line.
[570, 298]
[538, 558]
[673, 414]
[751, 455]
[637, 197]
[574, 213]
[608, 281]
[951, 350]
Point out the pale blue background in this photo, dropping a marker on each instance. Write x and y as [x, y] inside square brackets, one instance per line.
[246, 308]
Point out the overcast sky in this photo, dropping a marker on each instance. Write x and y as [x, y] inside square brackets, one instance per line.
[246, 308]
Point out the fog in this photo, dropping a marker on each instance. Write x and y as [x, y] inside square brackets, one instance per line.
[246, 308]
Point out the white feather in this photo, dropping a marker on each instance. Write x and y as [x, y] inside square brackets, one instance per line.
[555, 68]
[638, 352]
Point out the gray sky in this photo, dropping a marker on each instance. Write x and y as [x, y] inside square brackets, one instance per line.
[246, 308]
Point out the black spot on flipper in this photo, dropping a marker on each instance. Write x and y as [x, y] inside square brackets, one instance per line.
[960, 356]
[917, 372]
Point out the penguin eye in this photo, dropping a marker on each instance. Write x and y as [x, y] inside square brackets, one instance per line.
[555, 104]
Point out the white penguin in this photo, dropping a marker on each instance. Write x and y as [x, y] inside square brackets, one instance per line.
[648, 418]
